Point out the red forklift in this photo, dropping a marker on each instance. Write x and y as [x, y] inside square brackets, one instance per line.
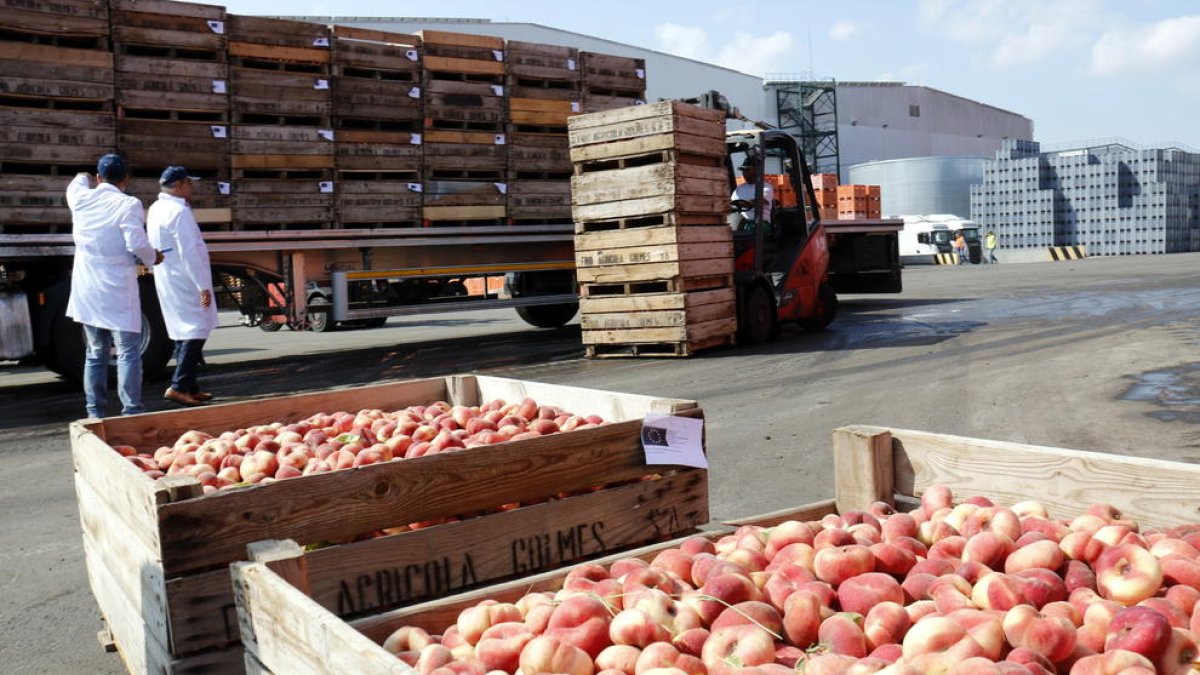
[781, 262]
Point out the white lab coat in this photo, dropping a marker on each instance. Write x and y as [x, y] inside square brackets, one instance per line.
[745, 191]
[108, 229]
[184, 271]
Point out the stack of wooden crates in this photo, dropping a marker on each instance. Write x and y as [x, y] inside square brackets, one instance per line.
[653, 251]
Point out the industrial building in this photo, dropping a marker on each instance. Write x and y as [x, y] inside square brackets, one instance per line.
[1112, 197]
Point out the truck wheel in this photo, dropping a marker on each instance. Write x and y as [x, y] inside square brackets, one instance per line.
[548, 316]
[826, 310]
[320, 321]
[269, 325]
[157, 348]
[757, 321]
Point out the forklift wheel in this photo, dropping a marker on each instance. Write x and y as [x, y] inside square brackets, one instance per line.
[758, 322]
[827, 308]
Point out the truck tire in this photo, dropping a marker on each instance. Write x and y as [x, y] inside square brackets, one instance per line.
[68, 343]
[320, 322]
[757, 319]
[548, 316]
[826, 311]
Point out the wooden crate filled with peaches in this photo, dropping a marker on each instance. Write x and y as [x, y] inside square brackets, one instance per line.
[939, 554]
[399, 493]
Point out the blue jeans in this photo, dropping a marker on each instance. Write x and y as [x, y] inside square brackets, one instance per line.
[187, 363]
[129, 370]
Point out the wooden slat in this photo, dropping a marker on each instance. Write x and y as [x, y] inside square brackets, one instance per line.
[652, 180]
[651, 236]
[807, 512]
[467, 66]
[451, 137]
[862, 467]
[1153, 492]
[654, 254]
[652, 302]
[463, 212]
[694, 332]
[273, 53]
[321, 161]
[654, 111]
[414, 566]
[659, 318]
[655, 271]
[21, 51]
[438, 37]
[371, 35]
[169, 7]
[714, 207]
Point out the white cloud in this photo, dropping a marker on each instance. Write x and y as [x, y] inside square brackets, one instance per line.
[1015, 32]
[754, 54]
[843, 30]
[1167, 44]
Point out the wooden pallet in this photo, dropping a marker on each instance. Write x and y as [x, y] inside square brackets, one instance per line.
[673, 285]
[647, 220]
[667, 349]
[156, 551]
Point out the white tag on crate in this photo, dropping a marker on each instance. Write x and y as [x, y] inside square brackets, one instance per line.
[498, 89]
[499, 140]
[326, 134]
[217, 27]
[416, 187]
[499, 54]
[223, 187]
[321, 42]
[415, 92]
[321, 84]
[219, 131]
[641, 73]
[415, 139]
[413, 55]
[325, 186]
[639, 102]
[575, 107]
[502, 188]
[219, 86]
[667, 439]
[570, 64]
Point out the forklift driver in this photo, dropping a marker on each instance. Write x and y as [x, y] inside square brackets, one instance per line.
[742, 200]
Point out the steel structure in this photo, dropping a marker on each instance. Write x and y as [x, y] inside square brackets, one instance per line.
[807, 109]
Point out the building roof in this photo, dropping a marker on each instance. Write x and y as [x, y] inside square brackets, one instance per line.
[841, 83]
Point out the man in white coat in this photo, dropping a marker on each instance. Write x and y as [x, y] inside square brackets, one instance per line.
[110, 239]
[183, 282]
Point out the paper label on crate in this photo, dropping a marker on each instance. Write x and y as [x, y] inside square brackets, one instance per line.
[326, 134]
[639, 102]
[502, 188]
[575, 107]
[321, 42]
[412, 54]
[570, 64]
[217, 27]
[667, 439]
[321, 84]
[499, 54]
[498, 89]
[325, 186]
[222, 187]
[499, 140]
[218, 131]
[416, 187]
[640, 73]
[415, 92]
[219, 86]
[415, 139]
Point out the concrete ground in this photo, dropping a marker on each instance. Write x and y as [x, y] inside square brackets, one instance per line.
[1095, 355]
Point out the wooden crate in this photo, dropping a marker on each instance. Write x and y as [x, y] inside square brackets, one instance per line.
[652, 245]
[369, 150]
[541, 113]
[157, 551]
[609, 73]
[376, 79]
[464, 200]
[209, 205]
[465, 151]
[530, 200]
[377, 199]
[656, 271]
[54, 137]
[286, 631]
[367, 53]
[652, 188]
[594, 102]
[146, 143]
[32, 203]
[154, 83]
[166, 29]
[260, 96]
[57, 78]
[689, 131]
[71, 19]
[280, 139]
[534, 155]
[284, 200]
[462, 53]
[531, 64]
[657, 310]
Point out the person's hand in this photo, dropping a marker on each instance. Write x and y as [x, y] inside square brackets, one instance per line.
[205, 298]
[158, 256]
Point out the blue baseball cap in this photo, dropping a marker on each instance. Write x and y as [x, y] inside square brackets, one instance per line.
[111, 167]
[173, 174]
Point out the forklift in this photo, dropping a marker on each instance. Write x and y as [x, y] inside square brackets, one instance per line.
[781, 265]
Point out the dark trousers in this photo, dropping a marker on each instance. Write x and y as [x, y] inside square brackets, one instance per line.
[187, 364]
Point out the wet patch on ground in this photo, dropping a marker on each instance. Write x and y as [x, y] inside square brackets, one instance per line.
[1175, 390]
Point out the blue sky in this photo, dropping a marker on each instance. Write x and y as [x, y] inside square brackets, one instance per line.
[1081, 69]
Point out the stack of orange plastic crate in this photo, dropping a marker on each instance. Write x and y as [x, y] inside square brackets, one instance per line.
[825, 187]
[857, 202]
